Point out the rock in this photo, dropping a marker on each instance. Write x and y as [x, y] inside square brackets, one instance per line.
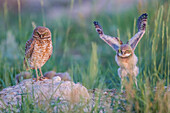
[46, 90]
[75, 93]
[23, 75]
[64, 76]
[50, 74]
[56, 78]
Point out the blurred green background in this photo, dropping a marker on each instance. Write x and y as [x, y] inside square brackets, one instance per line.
[77, 47]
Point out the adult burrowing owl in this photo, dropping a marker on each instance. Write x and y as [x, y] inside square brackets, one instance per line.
[125, 56]
[38, 49]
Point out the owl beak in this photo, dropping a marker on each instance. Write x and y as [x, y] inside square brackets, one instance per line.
[40, 36]
[123, 52]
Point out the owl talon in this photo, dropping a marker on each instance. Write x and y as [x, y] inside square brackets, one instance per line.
[42, 78]
[35, 79]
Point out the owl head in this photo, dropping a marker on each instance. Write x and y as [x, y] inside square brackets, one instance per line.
[41, 33]
[124, 51]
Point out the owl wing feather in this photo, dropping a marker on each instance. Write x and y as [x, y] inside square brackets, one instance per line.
[141, 23]
[114, 42]
[50, 53]
[29, 47]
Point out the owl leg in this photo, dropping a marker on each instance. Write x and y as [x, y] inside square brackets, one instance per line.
[136, 82]
[122, 84]
[37, 78]
[122, 73]
[136, 71]
[42, 77]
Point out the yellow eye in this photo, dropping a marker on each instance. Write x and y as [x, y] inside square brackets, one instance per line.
[128, 51]
[119, 51]
[37, 33]
[45, 33]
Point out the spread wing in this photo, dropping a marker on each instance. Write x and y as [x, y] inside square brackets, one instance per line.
[114, 42]
[141, 23]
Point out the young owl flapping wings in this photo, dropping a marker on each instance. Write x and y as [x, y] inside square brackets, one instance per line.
[125, 56]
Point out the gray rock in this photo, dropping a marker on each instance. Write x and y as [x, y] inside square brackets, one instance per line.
[48, 89]
[23, 75]
[64, 76]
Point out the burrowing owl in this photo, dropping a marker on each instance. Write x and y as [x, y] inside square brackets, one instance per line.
[125, 56]
[38, 49]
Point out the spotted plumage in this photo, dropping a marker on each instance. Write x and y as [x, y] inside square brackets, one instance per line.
[125, 56]
[38, 49]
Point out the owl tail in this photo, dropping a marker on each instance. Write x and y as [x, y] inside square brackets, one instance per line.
[98, 28]
[141, 22]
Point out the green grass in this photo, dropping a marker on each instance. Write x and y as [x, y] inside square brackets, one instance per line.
[78, 50]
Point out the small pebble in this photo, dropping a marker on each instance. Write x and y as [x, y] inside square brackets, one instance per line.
[57, 79]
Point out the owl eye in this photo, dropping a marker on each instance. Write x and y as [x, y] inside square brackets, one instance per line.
[120, 51]
[37, 33]
[45, 33]
[127, 51]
